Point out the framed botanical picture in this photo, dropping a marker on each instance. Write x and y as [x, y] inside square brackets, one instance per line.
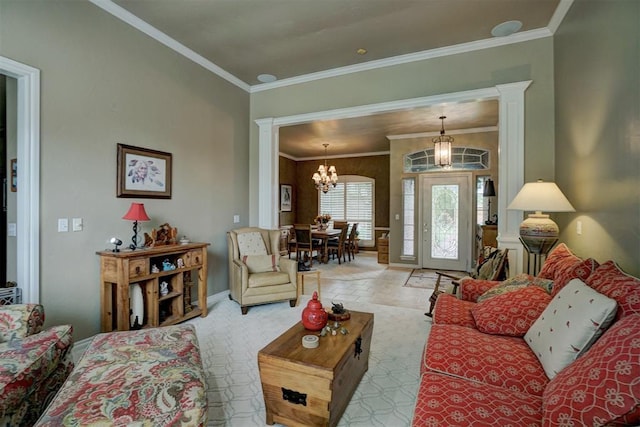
[143, 173]
[285, 197]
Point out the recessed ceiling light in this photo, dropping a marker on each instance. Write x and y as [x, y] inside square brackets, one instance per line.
[506, 28]
[361, 51]
[267, 78]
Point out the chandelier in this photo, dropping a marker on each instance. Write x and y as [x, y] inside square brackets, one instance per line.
[442, 148]
[326, 175]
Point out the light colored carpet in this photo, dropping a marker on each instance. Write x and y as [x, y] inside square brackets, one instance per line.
[426, 278]
[230, 342]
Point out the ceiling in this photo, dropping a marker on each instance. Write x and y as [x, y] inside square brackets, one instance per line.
[296, 38]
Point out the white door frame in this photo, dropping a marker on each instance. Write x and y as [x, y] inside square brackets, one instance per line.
[28, 196]
[511, 119]
[465, 250]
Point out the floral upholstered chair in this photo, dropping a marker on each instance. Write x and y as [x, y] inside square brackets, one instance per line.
[33, 363]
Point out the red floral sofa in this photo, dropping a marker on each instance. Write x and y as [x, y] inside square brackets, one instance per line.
[559, 349]
[33, 363]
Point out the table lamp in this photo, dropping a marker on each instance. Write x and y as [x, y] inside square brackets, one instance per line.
[538, 233]
[489, 191]
[136, 213]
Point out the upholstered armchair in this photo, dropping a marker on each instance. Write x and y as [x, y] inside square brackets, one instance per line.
[257, 272]
[33, 363]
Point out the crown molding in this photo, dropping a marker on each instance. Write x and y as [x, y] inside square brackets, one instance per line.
[129, 18]
[449, 132]
[335, 156]
[154, 33]
[407, 58]
[559, 14]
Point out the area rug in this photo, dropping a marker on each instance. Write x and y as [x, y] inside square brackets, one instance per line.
[425, 278]
[229, 343]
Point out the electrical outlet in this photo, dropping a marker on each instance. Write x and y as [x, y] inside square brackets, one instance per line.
[236, 219]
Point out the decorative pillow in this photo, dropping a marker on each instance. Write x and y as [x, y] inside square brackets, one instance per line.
[610, 280]
[260, 263]
[581, 271]
[562, 266]
[572, 321]
[251, 243]
[511, 313]
[511, 284]
[601, 387]
[558, 257]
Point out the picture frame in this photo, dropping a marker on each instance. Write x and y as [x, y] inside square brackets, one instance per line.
[286, 197]
[143, 173]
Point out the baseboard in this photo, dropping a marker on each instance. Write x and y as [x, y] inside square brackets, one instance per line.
[79, 347]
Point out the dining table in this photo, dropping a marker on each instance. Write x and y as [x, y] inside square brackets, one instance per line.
[325, 235]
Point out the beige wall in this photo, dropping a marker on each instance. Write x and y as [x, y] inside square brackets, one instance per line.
[532, 60]
[103, 82]
[597, 69]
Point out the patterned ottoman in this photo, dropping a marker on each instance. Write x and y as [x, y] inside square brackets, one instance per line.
[149, 377]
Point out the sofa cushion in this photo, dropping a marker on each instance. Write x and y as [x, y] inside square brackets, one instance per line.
[448, 401]
[271, 278]
[603, 385]
[450, 310]
[260, 263]
[491, 359]
[251, 243]
[610, 280]
[561, 266]
[516, 282]
[511, 313]
[572, 321]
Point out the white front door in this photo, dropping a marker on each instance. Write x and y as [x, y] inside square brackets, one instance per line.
[446, 221]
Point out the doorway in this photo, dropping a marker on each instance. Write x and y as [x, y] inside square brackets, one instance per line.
[446, 221]
[28, 179]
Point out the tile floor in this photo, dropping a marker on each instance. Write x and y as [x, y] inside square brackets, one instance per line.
[364, 280]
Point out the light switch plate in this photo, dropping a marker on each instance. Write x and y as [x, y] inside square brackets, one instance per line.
[12, 229]
[63, 225]
[77, 224]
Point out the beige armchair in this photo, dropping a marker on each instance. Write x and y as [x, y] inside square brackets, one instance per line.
[257, 272]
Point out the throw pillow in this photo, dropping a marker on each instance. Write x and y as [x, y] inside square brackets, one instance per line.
[561, 266]
[610, 280]
[601, 387]
[572, 321]
[251, 243]
[260, 263]
[511, 284]
[490, 265]
[511, 313]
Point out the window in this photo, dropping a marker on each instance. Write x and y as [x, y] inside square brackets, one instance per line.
[463, 158]
[408, 212]
[481, 201]
[352, 200]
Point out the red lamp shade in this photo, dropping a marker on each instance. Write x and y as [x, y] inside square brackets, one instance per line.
[136, 213]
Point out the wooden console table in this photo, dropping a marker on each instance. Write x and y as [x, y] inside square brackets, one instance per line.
[120, 270]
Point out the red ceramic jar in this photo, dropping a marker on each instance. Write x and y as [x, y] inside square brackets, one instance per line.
[314, 317]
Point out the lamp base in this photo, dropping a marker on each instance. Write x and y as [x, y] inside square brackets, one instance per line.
[538, 233]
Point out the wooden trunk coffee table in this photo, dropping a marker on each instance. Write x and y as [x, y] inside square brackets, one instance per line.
[313, 386]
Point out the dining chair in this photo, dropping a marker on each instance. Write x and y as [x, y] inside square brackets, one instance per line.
[350, 243]
[337, 247]
[305, 244]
